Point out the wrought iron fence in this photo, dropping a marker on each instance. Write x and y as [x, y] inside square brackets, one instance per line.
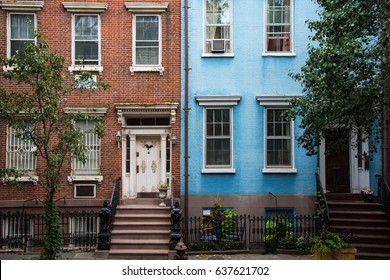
[20, 230]
[384, 195]
[250, 233]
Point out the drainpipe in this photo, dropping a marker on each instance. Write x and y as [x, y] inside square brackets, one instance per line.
[385, 144]
[186, 111]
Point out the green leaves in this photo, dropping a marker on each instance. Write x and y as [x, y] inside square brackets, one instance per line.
[345, 77]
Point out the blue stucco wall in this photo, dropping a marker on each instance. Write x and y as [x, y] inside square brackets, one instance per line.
[247, 74]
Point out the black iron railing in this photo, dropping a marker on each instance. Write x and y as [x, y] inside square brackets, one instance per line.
[322, 204]
[107, 217]
[23, 231]
[251, 233]
[384, 195]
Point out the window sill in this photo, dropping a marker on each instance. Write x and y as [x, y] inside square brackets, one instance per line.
[24, 179]
[281, 54]
[146, 69]
[218, 170]
[79, 178]
[280, 170]
[77, 68]
[206, 55]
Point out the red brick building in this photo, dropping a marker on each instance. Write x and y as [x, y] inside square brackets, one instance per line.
[135, 47]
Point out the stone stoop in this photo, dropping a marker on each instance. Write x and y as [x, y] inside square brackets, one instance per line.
[140, 231]
[364, 220]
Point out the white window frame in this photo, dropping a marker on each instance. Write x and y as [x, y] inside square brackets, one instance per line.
[218, 102]
[82, 185]
[13, 227]
[86, 67]
[278, 102]
[95, 177]
[291, 52]
[205, 53]
[30, 175]
[35, 26]
[146, 67]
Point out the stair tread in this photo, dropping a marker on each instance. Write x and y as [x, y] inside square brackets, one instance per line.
[139, 241]
[371, 245]
[360, 227]
[359, 220]
[139, 251]
[142, 206]
[372, 254]
[356, 212]
[136, 215]
[140, 231]
[163, 223]
[372, 236]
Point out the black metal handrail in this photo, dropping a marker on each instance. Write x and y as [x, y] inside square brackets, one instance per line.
[384, 195]
[323, 208]
[115, 197]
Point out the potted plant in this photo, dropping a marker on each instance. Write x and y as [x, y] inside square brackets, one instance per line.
[332, 246]
[367, 194]
[163, 189]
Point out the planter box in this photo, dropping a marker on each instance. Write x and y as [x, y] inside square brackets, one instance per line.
[339, 254]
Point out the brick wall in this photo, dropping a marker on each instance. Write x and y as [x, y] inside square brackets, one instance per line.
[116, 58]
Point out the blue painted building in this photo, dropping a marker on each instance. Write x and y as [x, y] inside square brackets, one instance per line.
[240, 149]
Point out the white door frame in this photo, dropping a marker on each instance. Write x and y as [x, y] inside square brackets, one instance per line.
[129, 189]
[359, 177]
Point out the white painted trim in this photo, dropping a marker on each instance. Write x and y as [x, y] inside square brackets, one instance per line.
[82, 185]
[279, 169]
[222, 168]
[73, 178]
[147, 7]
[85, 7]
[134, 69]
[229, 54]
[292, 26]
[218, 170]
[218, 100]
[95, 111]
[9, 35]
[32, 6]
[146, 67]
[24, 179]
[86, 67]
[275, 100]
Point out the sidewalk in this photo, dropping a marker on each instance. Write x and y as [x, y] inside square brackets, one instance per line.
[76, 255]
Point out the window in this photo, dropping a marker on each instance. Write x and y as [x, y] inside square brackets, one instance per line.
[147, 40]
[278, 139]
[17, 226]
[21, 31]
[86, 40]
[218, 133]
[218, 138]
[278, 26]
[92, 149]
[84, 190]
[20, 152]
[218, 26]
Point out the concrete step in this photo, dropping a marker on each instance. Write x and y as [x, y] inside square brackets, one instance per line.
[140, 234]
[374, 215]
[385, 231]
[142, 209]
[139, 254]
[371, 239]
[372, 256]
[129, 224]
[360, 222]
[354, 206]
[143, 217]
[372, 248]
[139, 243]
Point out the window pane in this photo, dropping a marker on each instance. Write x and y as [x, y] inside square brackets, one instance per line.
[218, 152]
[278, 25]
[86, 40]
[147, 40]
[147, 28]
[87, 52]
[22, 27]
[86, 28]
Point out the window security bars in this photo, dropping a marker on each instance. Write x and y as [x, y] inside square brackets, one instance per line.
[92, 149]
[20, 153]
[20, 230]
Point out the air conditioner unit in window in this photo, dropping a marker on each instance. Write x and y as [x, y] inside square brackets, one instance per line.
[218, 45]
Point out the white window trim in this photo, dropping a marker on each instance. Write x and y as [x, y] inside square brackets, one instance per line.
[278, 102]
[292, 37]
[85, 7]
[9, 34]
[147, 7]
[30, 6]
[81, 177]
[146, 68]
[221, 55]
[81, 185]
[92, 68]
[218, 102]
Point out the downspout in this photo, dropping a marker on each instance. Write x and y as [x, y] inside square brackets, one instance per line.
[385, 144]
[186, 111]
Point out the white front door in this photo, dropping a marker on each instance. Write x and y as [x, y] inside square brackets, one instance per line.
[148, 163]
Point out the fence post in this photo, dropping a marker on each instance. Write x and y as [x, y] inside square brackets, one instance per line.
[175, 235]
[104, 228]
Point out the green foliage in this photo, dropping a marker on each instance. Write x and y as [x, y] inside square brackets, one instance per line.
[229, 222]
[345, 78]
[38, 75]
[327, 242]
